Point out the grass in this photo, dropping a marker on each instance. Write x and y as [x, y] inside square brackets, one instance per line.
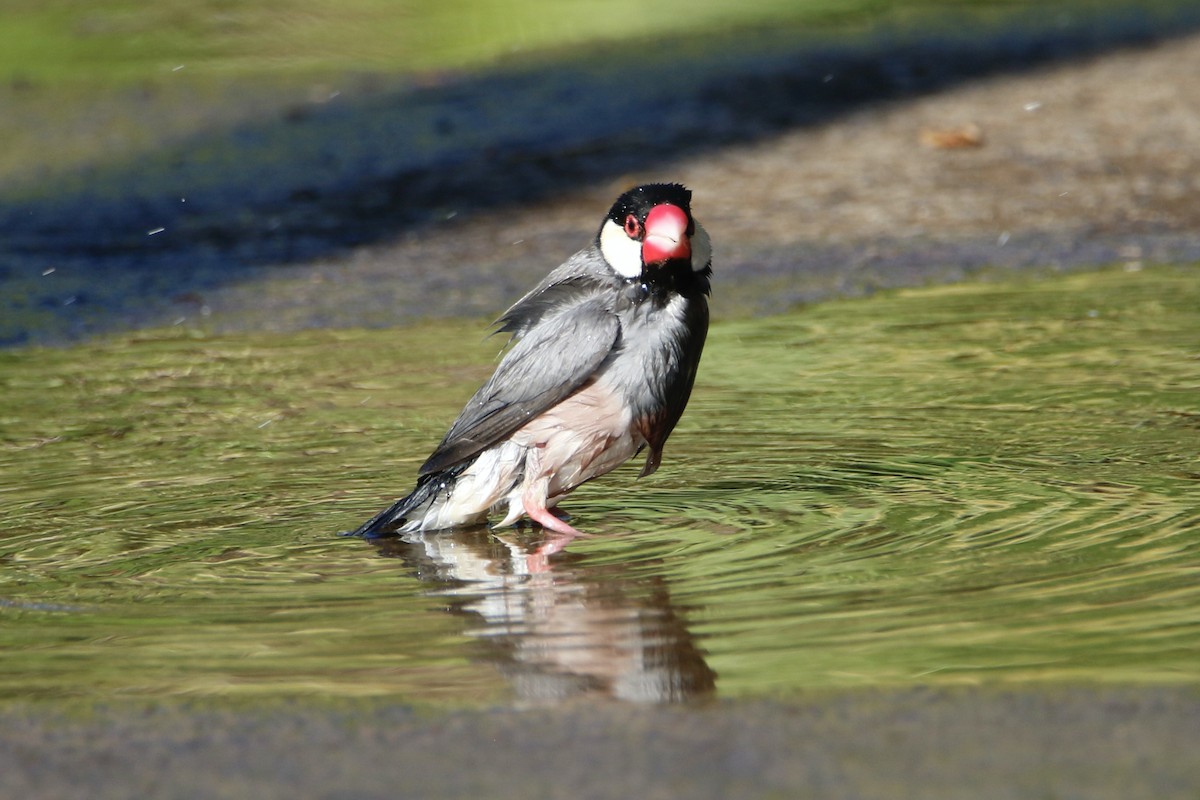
[117, 41]
[84, 82]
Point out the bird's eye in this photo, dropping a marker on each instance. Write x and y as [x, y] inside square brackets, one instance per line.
[633, 228]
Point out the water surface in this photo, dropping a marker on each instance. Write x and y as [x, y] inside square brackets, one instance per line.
[970, 484]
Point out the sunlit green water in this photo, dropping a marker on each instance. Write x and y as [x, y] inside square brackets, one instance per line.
[966, 484]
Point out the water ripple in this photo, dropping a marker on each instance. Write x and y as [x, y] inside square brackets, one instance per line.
[854, 498]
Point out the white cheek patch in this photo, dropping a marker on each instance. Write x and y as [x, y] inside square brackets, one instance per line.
[623, 254]
[701, 248]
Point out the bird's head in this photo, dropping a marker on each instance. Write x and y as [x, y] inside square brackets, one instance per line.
[650, 229]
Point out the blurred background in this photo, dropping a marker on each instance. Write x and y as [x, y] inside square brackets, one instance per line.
[153, 156]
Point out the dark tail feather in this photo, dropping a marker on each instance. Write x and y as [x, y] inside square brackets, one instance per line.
[391, 519]
[388, 521]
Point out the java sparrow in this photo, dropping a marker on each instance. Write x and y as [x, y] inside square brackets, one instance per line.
[600, 367]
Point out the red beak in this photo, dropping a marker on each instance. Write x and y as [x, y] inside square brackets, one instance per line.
[666, 235]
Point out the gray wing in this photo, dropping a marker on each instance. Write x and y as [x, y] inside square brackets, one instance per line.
[576, 279]
[552, 358]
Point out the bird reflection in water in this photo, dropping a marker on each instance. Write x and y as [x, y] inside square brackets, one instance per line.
[560, 630]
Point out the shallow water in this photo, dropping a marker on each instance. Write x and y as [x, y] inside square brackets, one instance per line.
[984, 483]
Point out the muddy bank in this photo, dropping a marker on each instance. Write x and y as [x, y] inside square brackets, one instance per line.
[817, 168]
[1095, 743]
[1083, 164]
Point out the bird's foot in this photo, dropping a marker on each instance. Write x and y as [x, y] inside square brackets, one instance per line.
[561, 535]
[551, 521]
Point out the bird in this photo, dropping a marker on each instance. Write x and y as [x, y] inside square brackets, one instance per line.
[599, 367]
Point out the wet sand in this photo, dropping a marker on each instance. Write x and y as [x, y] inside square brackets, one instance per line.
[1079, 164]
[1095, 743]
[819, 172]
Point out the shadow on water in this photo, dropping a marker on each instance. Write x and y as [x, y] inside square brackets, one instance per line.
[560, 629]
[321, 178]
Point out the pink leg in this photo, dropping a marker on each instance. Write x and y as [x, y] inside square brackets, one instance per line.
[533, 499]
[541, 515]
[539, 559]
